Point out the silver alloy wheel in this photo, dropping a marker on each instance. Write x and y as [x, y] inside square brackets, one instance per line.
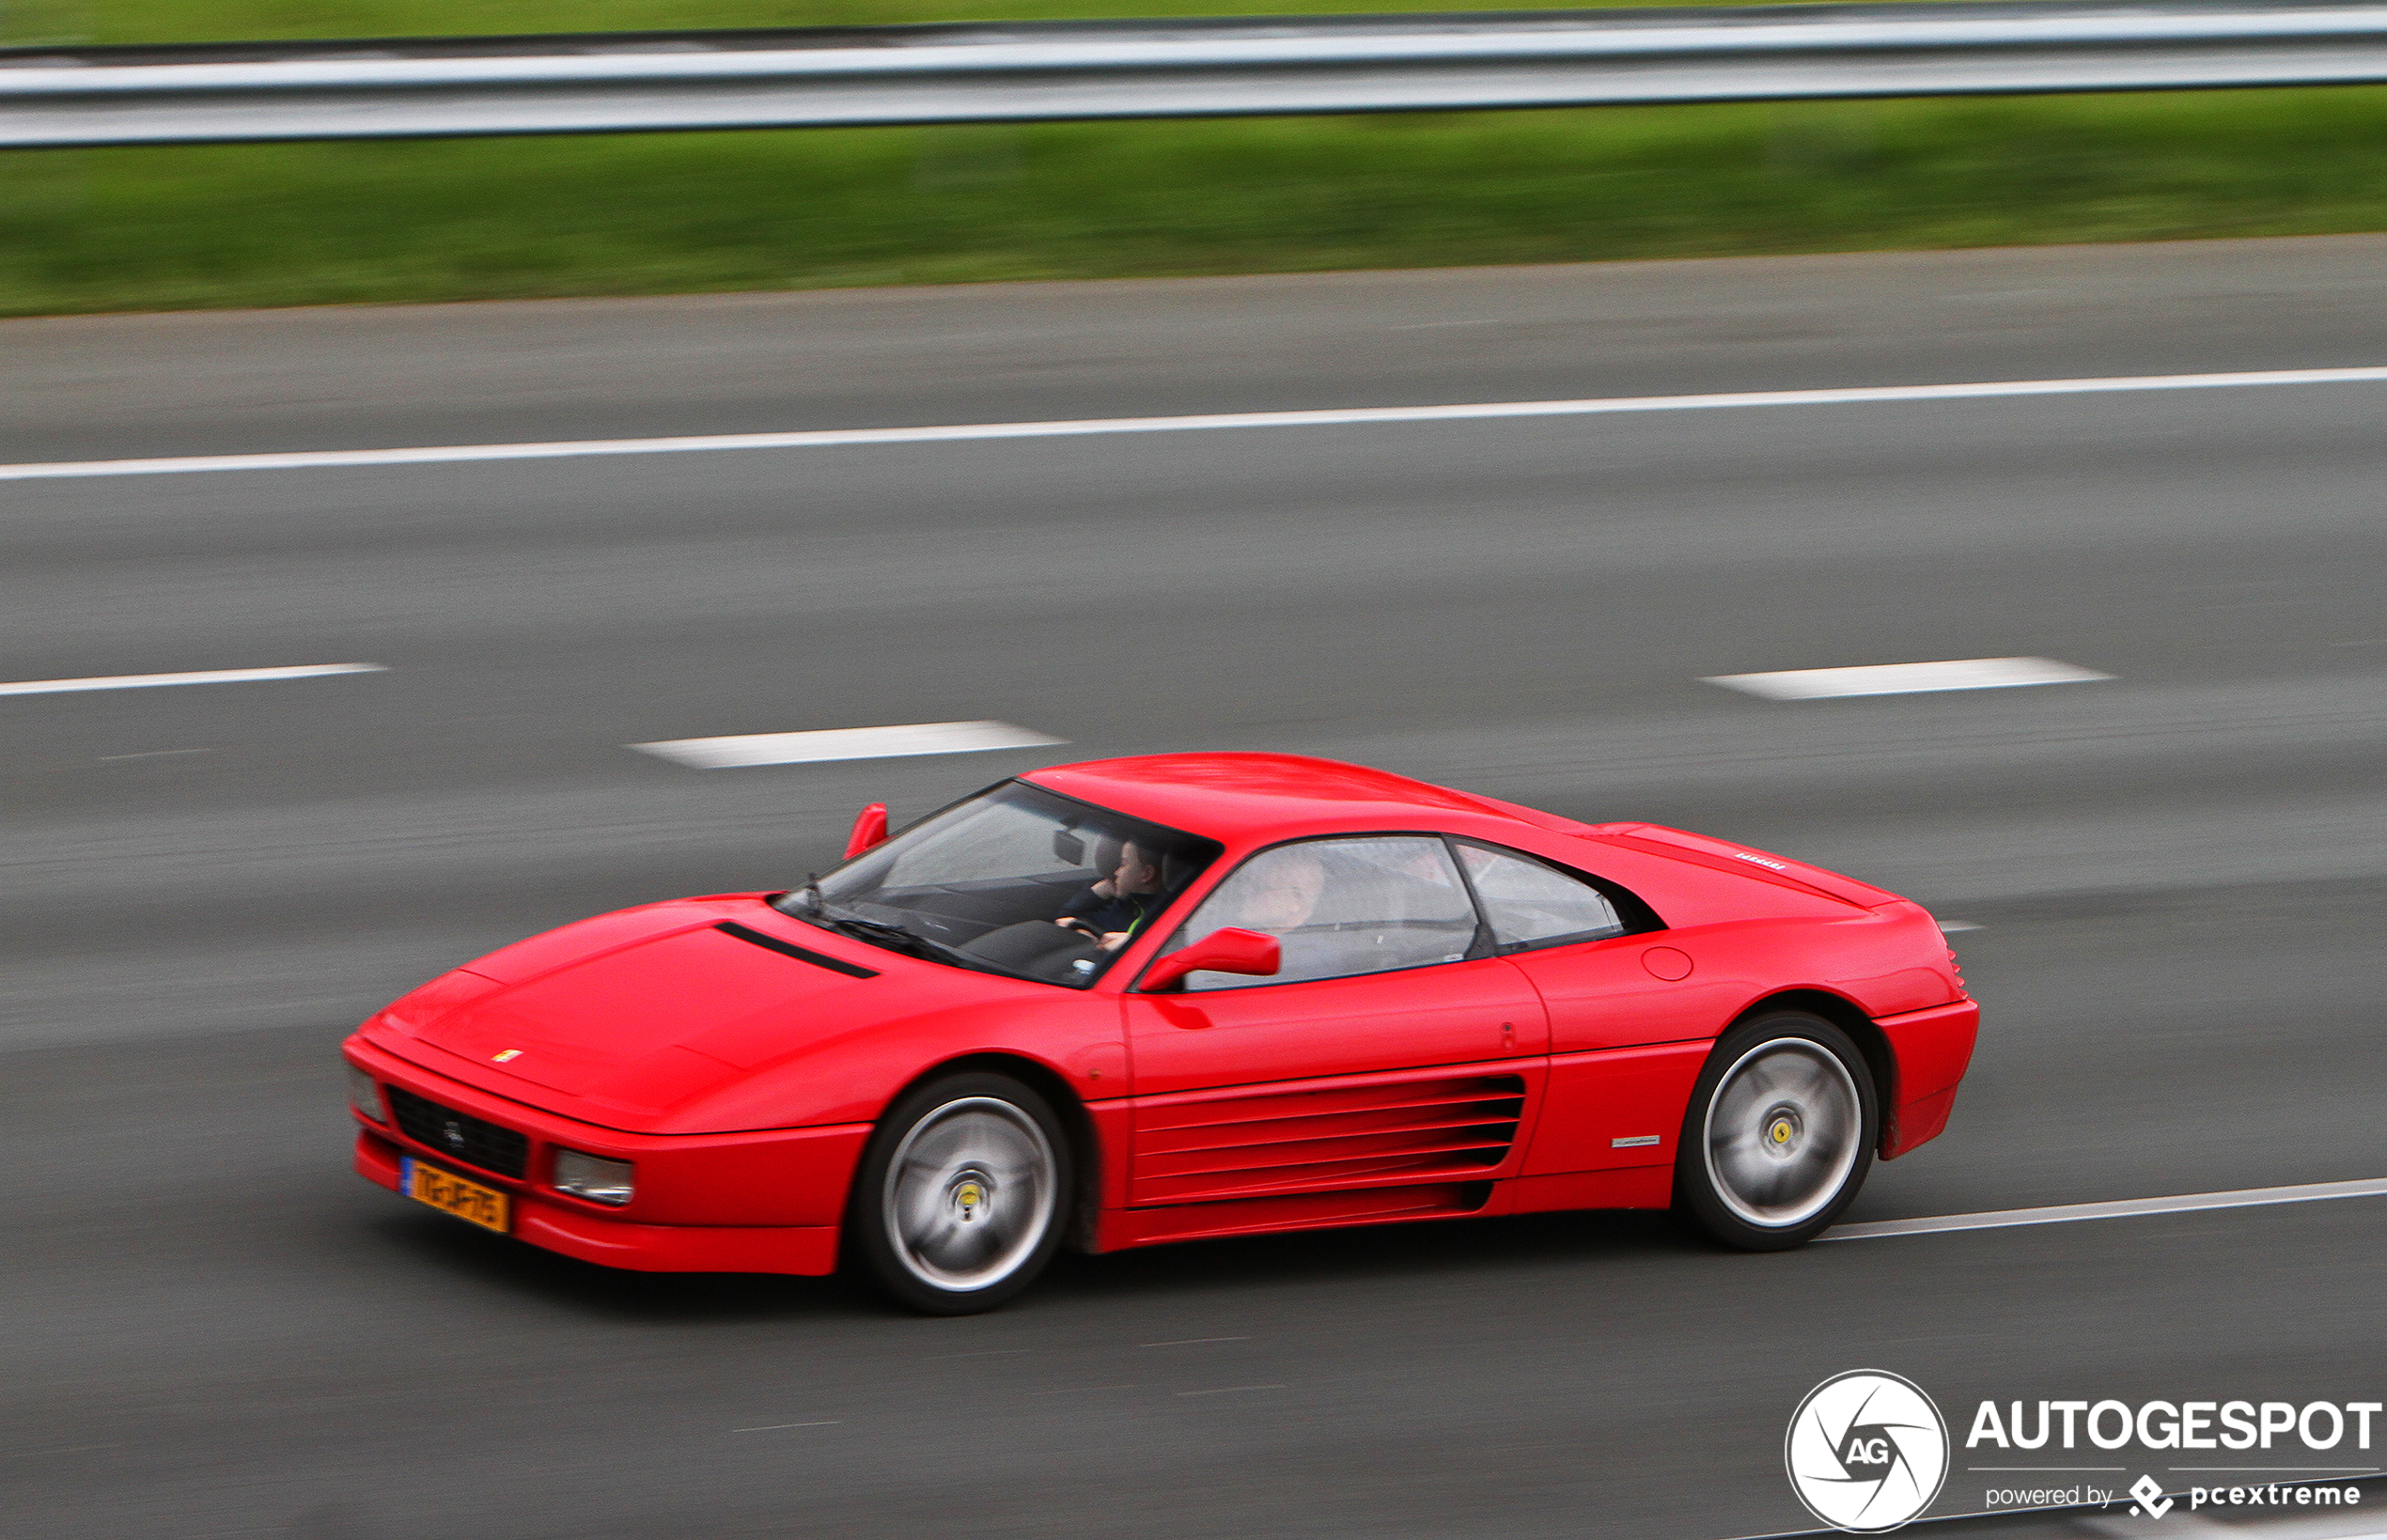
[1782, 1132]
[970, 1194]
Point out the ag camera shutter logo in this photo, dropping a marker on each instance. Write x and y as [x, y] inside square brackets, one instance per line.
[1866, 1451]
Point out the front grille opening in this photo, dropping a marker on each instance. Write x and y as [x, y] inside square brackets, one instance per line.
[459, 1136]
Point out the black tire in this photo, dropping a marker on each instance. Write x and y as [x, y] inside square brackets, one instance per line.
[1780, 1132]
[952, 1155]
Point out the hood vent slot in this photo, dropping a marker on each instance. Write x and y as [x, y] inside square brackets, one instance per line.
[789, 949]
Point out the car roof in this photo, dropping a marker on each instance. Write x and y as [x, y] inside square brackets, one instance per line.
[1235, 797]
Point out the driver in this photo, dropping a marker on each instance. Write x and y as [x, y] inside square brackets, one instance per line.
[1116, 909]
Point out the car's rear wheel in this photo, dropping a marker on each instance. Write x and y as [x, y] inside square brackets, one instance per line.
[962, 1196]
[1780, 1132]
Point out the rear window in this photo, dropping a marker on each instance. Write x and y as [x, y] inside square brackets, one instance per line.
[1530, 903]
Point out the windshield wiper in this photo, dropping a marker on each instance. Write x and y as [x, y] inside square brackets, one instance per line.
[805, 903]
[873, 930]
[809, 905]
[897, 938]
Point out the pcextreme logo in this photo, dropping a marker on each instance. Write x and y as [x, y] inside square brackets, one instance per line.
[1866, 1451]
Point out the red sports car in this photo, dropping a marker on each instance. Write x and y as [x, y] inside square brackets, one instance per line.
[1147, 999]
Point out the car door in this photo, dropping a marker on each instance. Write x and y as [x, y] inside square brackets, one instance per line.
[1391, 1049]
[1630, 1020]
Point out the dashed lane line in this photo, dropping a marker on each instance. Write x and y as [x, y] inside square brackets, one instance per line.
[1814, 684]
[1081, 428]
[846, 743]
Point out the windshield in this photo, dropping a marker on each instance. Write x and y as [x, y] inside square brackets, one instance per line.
[1016, 879]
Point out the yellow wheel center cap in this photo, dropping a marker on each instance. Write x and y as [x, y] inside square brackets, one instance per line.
[969, 1195]
[1780, 1130]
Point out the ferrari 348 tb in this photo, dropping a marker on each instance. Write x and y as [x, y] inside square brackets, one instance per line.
[1147, 999]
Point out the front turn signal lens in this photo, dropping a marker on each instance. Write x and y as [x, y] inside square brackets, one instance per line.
[592, 1177]
[365, 1095]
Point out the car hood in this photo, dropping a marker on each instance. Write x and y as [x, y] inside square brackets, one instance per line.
[628, 1017]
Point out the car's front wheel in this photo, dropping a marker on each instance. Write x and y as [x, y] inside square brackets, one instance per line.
[1780, 1132]
[962, 1196]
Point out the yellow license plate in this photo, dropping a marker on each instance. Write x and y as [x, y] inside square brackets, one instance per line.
[444, 1189]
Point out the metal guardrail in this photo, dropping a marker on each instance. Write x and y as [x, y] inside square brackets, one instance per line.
[819, 77]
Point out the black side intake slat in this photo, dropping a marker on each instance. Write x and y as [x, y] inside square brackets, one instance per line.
[459, 1136]
[1354, 1137]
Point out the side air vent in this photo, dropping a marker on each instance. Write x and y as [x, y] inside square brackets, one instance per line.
[789, 949]
[1205, 1149]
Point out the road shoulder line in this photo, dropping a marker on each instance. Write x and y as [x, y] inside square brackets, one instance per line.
[2124, 1208]
[1081, 428]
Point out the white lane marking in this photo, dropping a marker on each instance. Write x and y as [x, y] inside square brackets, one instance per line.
[2125, 1208]
[1951, 927]
[1080, 428]
[845, 744]
[216, 676]
[2320, 1527]
[1813, 684]
[774, 1427]
[1188, 1341]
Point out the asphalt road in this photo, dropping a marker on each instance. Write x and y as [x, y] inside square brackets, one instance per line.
[214, 1329]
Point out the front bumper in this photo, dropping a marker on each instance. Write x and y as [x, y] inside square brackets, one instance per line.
[765, 1201]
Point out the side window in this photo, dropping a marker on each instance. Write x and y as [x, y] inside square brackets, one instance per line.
[1341, 907]
[1533, 905]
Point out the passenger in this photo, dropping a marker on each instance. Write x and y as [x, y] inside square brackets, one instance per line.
[1115, 909]
[1278, 895]
[1282, 895]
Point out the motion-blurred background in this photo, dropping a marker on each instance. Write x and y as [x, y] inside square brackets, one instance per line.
[2164, 885]
[152, 228]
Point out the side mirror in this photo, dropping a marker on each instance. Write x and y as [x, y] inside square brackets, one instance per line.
[869, 831]
[1232, 950]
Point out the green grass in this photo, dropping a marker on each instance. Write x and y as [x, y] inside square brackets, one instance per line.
[306, 223]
